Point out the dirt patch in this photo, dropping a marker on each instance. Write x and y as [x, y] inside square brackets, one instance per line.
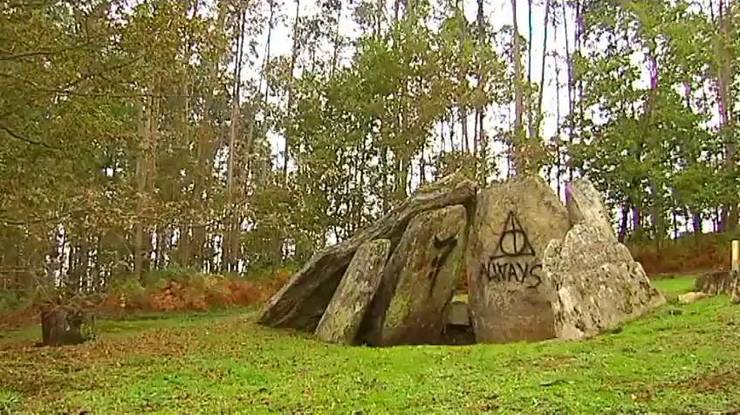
[724, 380]
[555, 362]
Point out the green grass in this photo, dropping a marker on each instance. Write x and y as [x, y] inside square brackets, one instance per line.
[679, 359]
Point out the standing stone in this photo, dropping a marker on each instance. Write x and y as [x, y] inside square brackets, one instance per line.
[301, 302]
[419, 280]
[510, 299]
[343, 316]
[597, 284]
[584, 206]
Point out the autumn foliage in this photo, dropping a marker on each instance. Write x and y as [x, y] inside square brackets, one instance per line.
[177, 292]
[690, 254]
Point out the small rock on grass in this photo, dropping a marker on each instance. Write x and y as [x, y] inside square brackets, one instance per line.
[691, 297]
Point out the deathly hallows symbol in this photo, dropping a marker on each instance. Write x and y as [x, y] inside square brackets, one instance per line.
[513, 241]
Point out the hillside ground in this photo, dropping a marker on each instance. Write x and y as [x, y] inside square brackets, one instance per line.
[679, 359]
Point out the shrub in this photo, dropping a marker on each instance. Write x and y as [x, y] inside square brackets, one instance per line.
[11, 300]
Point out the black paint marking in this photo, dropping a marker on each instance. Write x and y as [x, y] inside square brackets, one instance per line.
[513, 241]
[512, 261]
[444, 248]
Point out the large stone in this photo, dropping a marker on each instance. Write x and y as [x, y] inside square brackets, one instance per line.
[510, 300]
[345, 312]
[585, 206]
[301, 302]
[597, 284]
[419, 280]
[718, 282]
[458, 314]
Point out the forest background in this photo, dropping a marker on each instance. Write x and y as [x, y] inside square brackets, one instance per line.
[236, 136]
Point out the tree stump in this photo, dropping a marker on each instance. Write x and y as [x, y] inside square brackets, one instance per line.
[62, 325]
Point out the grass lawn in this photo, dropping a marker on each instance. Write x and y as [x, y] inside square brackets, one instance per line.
[680, 359]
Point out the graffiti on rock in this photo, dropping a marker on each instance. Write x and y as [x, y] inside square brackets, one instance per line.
[443, 248]
[514, 258]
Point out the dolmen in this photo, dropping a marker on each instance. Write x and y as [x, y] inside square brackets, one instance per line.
[453, 264]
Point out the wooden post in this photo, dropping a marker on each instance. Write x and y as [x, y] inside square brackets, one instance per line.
[736, 256]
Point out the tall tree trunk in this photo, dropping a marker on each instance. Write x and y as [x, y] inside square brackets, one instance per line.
[336, 40]
[293, 58]
[558, 121]
[725, 101]
[539, 114]
[570, 59]
[636, 220]
[520, 162]
[530, 41]
[231, 218]
[622, 235]
[145, 167]
[462, 105]
[480, 150]
[697, 223]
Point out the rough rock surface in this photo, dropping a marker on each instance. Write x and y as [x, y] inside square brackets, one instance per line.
[691, 297]
[345, 312]
[509, 298]
[584, 206]
[301, 302]
[458, 314]
[597, 284]
[719, 282]
[419, 280]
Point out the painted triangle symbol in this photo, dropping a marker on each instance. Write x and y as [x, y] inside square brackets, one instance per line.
[513, 241]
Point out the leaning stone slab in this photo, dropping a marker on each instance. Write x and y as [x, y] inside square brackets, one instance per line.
[345, 312]
[419, 280]
[597, 284]
[301, 302]
[585, 206]
[509, 296]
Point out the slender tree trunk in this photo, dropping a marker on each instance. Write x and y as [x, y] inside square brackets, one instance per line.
[231, 220]
[480, 150]
[622, 235]
[539, 114]
[571, 82]
[725, 101]
[558, 125]
[530, 41]
[636, 220]
[293, 58]
[144, 168]
[697, 223]
[337, 40]
[520, 164]
[462, 105]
